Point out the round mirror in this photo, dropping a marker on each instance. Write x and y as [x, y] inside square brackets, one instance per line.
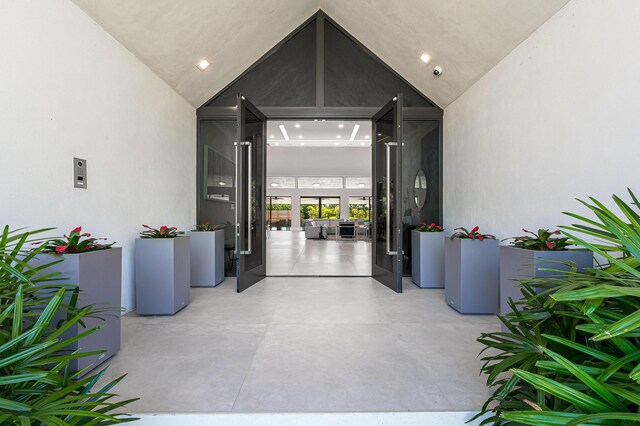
[420, 189]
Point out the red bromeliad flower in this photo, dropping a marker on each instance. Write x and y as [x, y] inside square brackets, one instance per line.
[75, 242]
[61, 249]
[163, 232]
[77, 230]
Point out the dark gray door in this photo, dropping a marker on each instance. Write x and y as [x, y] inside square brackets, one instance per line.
[251, 158]
[387, 191]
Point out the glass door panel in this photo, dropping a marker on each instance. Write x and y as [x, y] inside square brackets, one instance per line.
[250, 205]
[279, 213]
[387, 194]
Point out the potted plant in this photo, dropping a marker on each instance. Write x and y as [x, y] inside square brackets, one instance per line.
[471, 272]
[541, 254]
[207, 255]
[163, 271]
[38, 386]
[96, 269]
[427, 249]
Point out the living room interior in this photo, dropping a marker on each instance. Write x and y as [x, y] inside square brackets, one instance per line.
[318, 198]
[193, 233]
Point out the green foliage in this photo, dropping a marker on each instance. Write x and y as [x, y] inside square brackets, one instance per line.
[282, 207]
[432, 227]
[474, 234]
[37, 385]
[543, 240]
[163, 232]
[206, 227]
[75, 243]
[361, 212]
[571, 354]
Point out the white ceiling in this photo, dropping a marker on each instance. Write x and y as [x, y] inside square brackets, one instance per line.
[315, 133]
[465, 37]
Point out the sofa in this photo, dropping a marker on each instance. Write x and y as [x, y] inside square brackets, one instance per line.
[313, 230]
[330, 224]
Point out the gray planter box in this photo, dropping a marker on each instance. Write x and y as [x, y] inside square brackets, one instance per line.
[427, 259]
[517, 263]
[471, 275]
[207, 258]
[163, 270]
[98, 275]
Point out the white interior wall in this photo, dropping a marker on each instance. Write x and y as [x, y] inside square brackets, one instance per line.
[555, 120]
[318, 161]
[68, 89]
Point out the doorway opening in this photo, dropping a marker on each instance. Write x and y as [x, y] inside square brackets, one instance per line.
[318, 190]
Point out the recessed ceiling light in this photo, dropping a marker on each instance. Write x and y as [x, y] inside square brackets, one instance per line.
[203, 64]
[297, 125]
[337, 143]
[338, 137]
[299, 136]
[272, 137]
[379, 134]
[361, 185]
[301, 143]
[363, 144]
[277, 143]
[222, 184]
[315, 185]
[274, 184]
[324, 120]
[355, 132]
[425, 58]
[340, 125]
[284, 132]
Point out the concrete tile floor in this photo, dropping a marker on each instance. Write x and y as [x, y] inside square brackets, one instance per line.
[292, 344]
[290, 253]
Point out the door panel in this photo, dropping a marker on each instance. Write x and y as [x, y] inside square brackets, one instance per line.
[387, 190]
[250, 195]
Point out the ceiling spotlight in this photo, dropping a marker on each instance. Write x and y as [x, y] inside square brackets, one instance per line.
[297, 125]
[275, 184]
[315, 185]
[361, 185]
[340, 125]
[272, 137]
[425, 58]
[337, 143]
[299, 136]
[222, 184]
[379, 134]
[301, 143]
[366, 137]
[338, 137]
[362, 143]
[277, 143]
[203, 64]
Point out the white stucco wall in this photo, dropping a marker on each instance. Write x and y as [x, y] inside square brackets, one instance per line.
[68, 89]
[557, 119]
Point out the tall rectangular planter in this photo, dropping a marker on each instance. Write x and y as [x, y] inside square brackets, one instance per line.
[471, 275]
[163, 271]
[427, 263]
[518, 263]
[98, 275]
[207, 258]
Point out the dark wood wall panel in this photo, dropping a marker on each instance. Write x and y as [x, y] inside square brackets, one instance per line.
[285, 78]
[355, 78]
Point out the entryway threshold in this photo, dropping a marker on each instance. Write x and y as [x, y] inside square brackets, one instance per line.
[317, 276]
[448, 418]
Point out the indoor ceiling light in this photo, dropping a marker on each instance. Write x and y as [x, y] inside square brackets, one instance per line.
[425, 58]
[355, 131]
[222, 184]
[277, 143]
[315, 185]
[362, 143]
[361, 185]
[297, 125]
[299, 136]
[379, 134]
[272, 137]
[338, 137]
[284, 132]
[366, 137]
[340, 125]
[337, 143]
[203, 64]
[301, 143]
[274, 184]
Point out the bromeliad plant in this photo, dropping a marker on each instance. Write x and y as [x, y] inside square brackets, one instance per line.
[423, 227]
[463, 233]
[163, 232]
[571, 355]
[37, 385]
[206, 227]
[543, 240]
[75, 242]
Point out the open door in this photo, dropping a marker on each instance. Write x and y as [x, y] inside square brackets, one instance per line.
[387, 192]
[251, 158]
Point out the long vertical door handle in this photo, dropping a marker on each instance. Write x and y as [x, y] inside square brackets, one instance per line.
[249, 200]
[237, 200]
[388, 212]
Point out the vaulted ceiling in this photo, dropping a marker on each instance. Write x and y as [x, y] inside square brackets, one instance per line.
[465, 37]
